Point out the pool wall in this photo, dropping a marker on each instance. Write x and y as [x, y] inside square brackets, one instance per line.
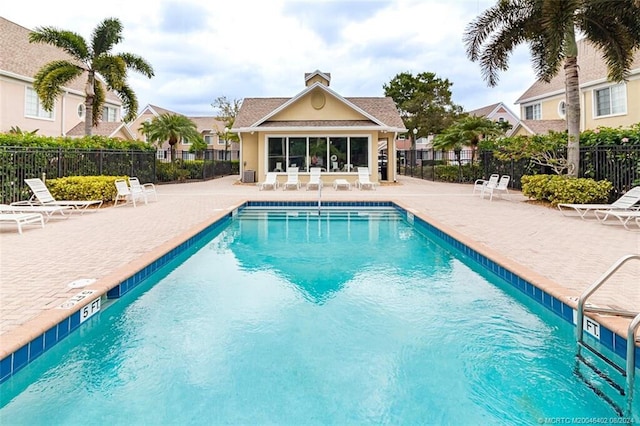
[509, 272]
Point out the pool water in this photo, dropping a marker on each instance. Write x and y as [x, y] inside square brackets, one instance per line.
[350, 317]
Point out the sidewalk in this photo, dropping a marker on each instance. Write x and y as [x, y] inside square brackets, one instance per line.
[566, 254]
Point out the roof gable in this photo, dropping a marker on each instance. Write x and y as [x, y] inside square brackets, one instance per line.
[592, 69]
[362, 111]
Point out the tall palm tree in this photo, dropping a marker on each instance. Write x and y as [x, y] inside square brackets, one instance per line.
[467, 131]
[96, 58]
[550, 28]
[171, 128]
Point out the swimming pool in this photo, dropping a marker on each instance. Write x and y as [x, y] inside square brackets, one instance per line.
[291, 317]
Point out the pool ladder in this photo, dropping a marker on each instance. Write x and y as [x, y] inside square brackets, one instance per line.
[629, 371]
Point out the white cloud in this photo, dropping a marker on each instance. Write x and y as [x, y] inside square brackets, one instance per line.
[202, 50]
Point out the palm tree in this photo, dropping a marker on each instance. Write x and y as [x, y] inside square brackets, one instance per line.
[93, 59]
[550, 28]
[171, 128]
[467, 131]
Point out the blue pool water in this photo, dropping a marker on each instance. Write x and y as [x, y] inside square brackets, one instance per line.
[294, 318]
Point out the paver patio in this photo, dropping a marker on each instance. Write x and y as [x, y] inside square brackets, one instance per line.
[563, 254]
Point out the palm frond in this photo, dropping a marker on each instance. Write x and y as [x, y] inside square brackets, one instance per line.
[106, 35]
[50, 79]
[112, 68]
[137, 63]
[68, 41]
[129, 102]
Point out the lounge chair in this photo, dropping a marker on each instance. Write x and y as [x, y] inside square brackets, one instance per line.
[363, 180]
[146, 188]
[124, 193]
[625, 202]
[21, 219]
[278, 167]
[42, 197]
[479, 184]
[292, 179]
[271, 181]
[315, 181]
[502, 186]
[46, 211]
[624, 216]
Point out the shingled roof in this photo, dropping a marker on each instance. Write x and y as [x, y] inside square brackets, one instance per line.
[104, 128]
[592, 68]
[542, 127]
[19, 57]
[255, 109]
[484, 111]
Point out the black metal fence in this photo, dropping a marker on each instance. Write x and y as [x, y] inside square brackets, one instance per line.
[18, 163]
[618, 164]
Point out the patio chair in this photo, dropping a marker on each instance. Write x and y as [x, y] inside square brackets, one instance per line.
[124, 193]
[628, 201]
[292, 179]
[271, 181]
[278, 167]
[315, 181]
[146, 188]
[46, 211]
[42, 197]
[624, 216]
[502, 186]
[363, 180]
[21, 219]
[479, 184]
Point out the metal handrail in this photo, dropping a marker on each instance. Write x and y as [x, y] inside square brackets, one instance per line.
[635, 323]
[631, 360]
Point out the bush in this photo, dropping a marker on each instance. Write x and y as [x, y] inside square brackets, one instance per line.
[84, 187]
[171, 172]
[466, 173]
[563, 189]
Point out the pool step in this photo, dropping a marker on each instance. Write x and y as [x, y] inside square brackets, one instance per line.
[600, 376]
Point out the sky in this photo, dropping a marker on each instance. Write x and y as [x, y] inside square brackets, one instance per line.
[201, 49]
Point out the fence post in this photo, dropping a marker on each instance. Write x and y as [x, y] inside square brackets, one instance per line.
[59, 162]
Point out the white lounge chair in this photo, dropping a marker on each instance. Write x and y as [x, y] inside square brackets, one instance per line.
[624, 216]
[42, 197]
[292, 179]
[479, 184]
[124, 193]
[502, 186]
[363, 180]
[46, 211]
[21, 219]
[146, 188]
[625, 202]
[315, 180]
[271, 181]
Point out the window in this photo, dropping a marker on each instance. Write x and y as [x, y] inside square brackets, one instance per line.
[562, 109]
[532, 112]
[81, 111]
[337, 154]
[33, 107]
[208, 139]
[161, 154]
[109, 114]
[610, 100]
[221, 140]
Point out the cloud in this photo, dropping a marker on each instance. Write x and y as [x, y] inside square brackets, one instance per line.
[242, 48]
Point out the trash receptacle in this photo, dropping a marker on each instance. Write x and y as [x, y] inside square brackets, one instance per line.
[383, 172]
[249, 176]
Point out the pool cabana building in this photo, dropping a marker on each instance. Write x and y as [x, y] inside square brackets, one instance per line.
[317, 128]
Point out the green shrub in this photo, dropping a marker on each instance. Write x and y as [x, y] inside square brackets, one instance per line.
[563, 189]
[86, 142]
[461, 174]
[84, 187]
[171, 172]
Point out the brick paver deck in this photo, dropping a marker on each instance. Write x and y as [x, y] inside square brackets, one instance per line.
[563, 254]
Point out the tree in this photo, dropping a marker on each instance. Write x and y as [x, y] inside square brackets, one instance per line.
[171, 128]
[227, 113]
[467, 131]
[549, 27]
[95, 59]
[424, 102]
